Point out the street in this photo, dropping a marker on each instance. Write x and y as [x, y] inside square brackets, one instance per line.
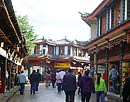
[43, 95]
[51, 95]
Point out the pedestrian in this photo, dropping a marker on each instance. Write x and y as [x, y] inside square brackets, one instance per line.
[79, 76]
[126, 89]
[87, 87]
[33, 81]
[62, 73]
[69, 86]
[114, 75]
[104, 76]
[100, 88]
[39, 79]
[59, 79]
[50, 76]
[47, 77]
[22, 82]
[53, 78]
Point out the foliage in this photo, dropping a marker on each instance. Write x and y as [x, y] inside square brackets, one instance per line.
[28, 32]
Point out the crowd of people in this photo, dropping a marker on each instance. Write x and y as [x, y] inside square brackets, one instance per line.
[66, 80]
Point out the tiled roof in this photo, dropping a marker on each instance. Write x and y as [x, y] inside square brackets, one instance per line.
[63, 41]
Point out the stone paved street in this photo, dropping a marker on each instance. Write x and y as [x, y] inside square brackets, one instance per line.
[50, 95]
[43, 95]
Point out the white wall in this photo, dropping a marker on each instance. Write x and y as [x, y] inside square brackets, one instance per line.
[57, 50]
[41, 49]
[66, 50]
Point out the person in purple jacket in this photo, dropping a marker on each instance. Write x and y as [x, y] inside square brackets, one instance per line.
[86, 84]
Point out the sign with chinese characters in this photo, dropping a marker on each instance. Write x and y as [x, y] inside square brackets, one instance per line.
[62, 65]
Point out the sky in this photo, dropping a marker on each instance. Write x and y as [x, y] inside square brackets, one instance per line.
[57, 19]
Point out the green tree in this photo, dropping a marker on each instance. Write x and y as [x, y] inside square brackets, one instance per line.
[27, 31]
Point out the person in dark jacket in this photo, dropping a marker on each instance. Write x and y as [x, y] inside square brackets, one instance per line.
[79, 76]
[69, 86]
[39, 79]
[33, 81]
[53, 78]
[126, 90]
[87, 87]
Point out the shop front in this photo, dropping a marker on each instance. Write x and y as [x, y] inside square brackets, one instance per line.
[2, 74]
[2, 70]
[12, 70]
[117, 55]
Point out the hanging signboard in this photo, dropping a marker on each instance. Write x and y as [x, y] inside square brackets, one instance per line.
[62, 65]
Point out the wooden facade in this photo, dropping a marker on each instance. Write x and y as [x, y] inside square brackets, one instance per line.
[12, 46]
[111, 43]
[58, 54]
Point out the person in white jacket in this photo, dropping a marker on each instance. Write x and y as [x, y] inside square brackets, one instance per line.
[22, 82]
[59, 79]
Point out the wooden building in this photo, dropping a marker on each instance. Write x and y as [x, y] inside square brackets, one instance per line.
[12, 45]
[58, 54]
[110, 44]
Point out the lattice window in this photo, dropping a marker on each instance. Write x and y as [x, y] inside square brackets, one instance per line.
[61, 50]
[122, 10]
[99, 27]
[112, 17]
[103, 23]
[69, 50]
[116, 13]
[74, 51]
[108, 20]
[128, 9]
[50, 50]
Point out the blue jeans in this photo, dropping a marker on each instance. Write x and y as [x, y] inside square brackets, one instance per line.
[37, 85]
[100, 94]
[114, 84]
[33, 88]
[22, 88]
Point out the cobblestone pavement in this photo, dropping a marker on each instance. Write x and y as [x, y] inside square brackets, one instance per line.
[43, 95]
[48, 95]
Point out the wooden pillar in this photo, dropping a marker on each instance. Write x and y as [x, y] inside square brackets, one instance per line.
[97, 62]
[92, 64]
[120, 67]
[107, 73]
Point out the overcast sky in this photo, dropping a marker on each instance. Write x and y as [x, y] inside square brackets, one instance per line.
[56, 19]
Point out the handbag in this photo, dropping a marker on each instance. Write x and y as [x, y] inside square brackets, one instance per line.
[106, 99]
